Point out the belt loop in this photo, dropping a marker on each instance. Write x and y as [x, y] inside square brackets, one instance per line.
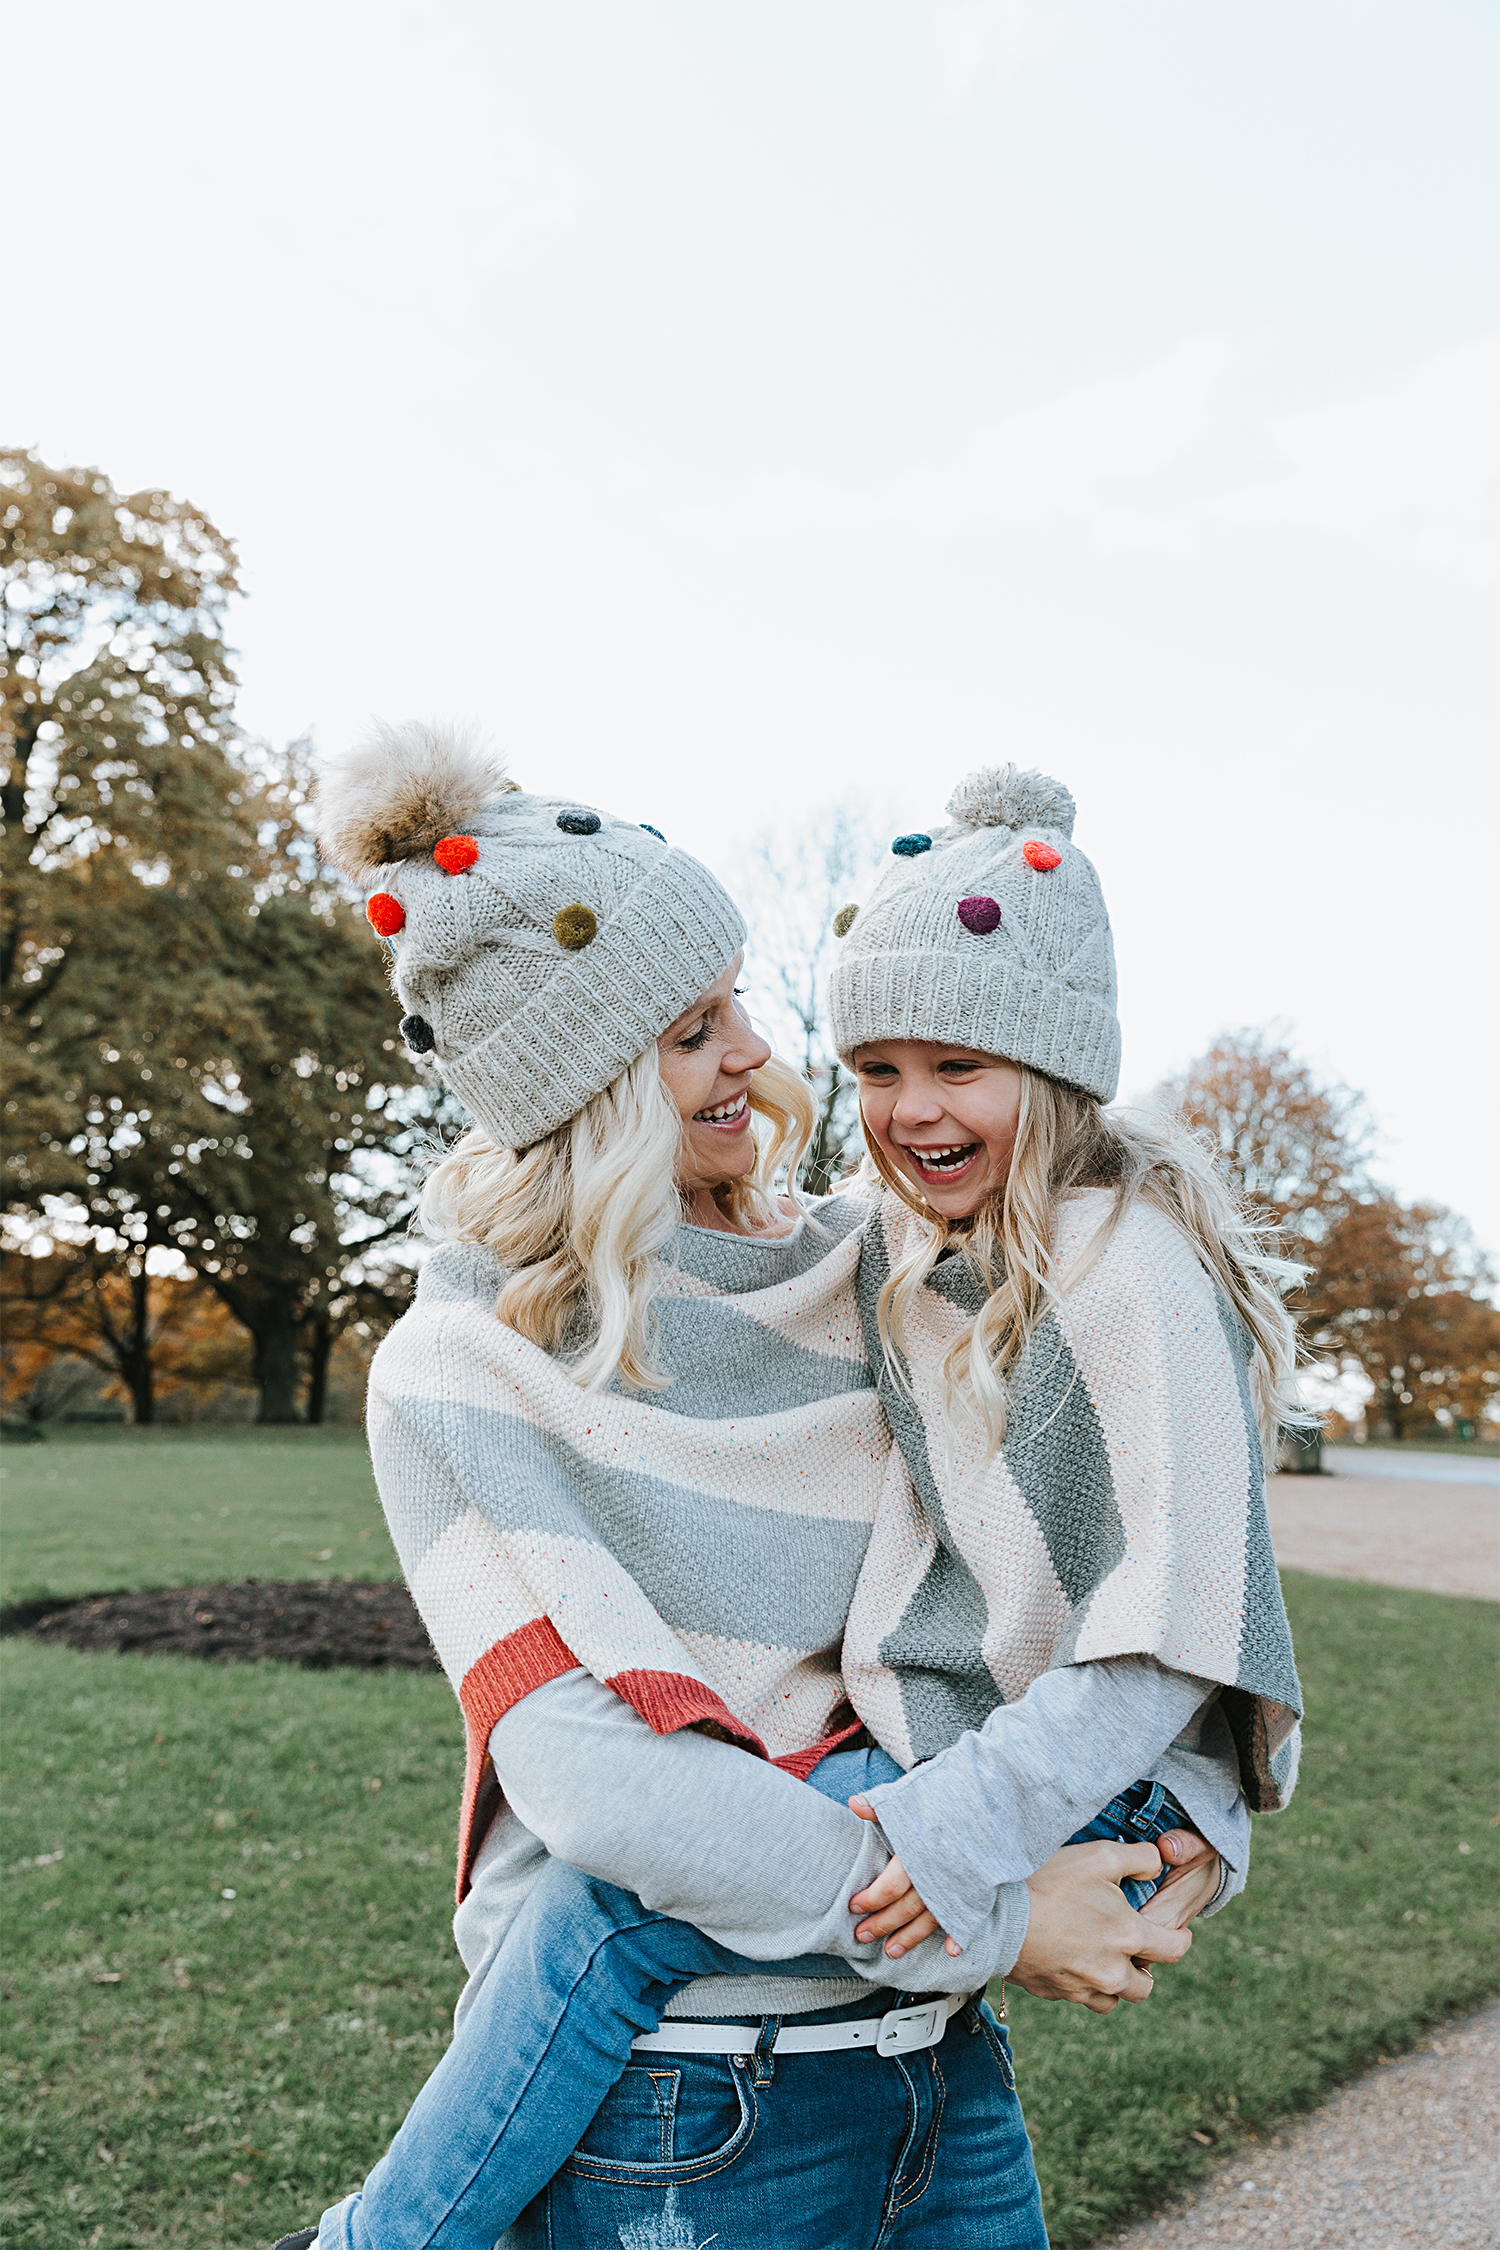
[764, 2057]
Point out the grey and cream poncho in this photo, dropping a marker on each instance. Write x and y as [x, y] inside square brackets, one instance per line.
[695, 1549]
[1125, 1513]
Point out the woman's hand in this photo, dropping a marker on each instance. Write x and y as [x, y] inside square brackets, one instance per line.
[892, 1909]
[1197, 1871]
[1083, 1942]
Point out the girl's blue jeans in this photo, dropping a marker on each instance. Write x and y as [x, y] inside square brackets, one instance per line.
[515, 2103]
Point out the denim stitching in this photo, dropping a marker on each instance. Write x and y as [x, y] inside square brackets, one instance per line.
[684, 2170]
[939, 2103]
[1001, 2052]
[890, 2209]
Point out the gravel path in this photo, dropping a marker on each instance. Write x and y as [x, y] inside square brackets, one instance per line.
[1441, 1537]
[1406, 2156]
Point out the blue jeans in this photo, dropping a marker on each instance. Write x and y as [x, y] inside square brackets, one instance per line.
[584, 1969]
[804, 2152]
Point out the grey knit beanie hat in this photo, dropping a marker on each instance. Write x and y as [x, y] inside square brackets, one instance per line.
[538, 946]
[991, 933]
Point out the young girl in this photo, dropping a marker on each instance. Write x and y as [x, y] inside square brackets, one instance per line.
[523, 2079]
[1084, 1343]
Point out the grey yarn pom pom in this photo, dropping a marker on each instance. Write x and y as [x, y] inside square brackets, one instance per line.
[1011, 797]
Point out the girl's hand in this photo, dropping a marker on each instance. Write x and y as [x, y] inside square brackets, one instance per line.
[1083, 1942]
[1192, 1884]
[892, 1909]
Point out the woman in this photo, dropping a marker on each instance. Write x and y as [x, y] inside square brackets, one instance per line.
[628, 1598]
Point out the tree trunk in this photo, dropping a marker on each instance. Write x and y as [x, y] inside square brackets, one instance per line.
[319, 1352]
[275, 1364]
[825, 1150]
[137, 1369]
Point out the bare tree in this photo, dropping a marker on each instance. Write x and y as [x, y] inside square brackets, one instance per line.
[795, 889]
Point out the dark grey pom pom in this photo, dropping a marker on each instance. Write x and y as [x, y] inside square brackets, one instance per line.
[417, 1032]
[578, 823]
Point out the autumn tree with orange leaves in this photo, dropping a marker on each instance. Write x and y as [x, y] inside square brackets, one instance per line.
[1395, 1292]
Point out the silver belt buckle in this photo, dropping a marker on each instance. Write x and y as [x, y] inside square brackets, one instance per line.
[904, 2030]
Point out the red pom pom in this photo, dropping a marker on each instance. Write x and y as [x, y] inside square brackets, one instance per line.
[1040, 856]
[454, 853]
[385, 914]
[981, 915]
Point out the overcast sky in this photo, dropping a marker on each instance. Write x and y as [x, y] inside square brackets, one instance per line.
[740, 407]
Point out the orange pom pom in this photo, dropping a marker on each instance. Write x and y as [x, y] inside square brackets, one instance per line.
[385, 914]
[1040, 856]
[454, 853]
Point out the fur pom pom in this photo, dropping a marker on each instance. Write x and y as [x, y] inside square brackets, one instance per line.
[1011, 797]
[402, 790]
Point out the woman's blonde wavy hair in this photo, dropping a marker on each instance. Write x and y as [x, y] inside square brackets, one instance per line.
[581, 1218]
[1065, 1141]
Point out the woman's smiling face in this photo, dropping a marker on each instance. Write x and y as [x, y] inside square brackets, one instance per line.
[707, 1058]
[943, 1117]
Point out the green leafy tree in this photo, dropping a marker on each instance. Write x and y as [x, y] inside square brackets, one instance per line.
[201, 1050]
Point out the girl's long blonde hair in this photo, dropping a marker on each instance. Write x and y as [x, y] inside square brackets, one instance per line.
[580, 1219]
[1066, 1141]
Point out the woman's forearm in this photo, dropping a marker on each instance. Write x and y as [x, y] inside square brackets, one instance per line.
[707, 1834]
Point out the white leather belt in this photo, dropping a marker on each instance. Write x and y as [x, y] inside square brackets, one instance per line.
[902, 2031]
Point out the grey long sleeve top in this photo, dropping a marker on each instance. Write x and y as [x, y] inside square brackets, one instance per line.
[702, 1832]
[989, 1810]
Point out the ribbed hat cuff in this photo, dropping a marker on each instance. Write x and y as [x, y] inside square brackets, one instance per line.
[1000, 1009]
[605, 1005]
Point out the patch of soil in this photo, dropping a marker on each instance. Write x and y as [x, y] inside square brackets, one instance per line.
[297, 1621]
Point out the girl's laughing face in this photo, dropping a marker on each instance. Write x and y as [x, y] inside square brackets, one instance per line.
[943, 1117]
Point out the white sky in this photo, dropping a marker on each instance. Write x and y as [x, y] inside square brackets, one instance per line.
[741, 406]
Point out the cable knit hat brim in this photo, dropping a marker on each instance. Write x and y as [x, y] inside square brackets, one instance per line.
[1002, 1010]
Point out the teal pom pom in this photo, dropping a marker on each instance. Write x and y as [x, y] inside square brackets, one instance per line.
[911, 847]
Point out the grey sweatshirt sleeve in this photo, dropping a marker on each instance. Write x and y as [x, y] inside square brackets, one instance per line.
[989, 1810]
[707, 1834]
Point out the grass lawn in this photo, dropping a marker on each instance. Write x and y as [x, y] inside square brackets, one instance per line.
[189, 2068]
[99, 1511]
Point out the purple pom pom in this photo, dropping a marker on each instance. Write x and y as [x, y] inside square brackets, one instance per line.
[981, 915]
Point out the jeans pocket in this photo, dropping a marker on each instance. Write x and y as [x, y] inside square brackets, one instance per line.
[660, 2124]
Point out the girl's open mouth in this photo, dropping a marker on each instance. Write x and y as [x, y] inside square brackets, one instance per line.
[729, 1117]
[942, 1164]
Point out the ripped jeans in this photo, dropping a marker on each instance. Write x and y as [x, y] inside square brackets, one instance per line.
[533, 2079]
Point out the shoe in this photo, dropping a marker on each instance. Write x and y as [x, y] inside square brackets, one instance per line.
[302, 2240]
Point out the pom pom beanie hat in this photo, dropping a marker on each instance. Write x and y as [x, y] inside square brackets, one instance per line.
[991, 933]
[538, 946]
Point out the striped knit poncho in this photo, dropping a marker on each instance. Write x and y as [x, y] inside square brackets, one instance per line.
[1125, 1513]
[696, 1549]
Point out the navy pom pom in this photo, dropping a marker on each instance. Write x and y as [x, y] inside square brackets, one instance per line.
[911, 847]
[418, 1034]
[656, 832]
[578, 823]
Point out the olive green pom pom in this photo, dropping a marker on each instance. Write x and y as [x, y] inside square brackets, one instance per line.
[843, 921]
[576, 927]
